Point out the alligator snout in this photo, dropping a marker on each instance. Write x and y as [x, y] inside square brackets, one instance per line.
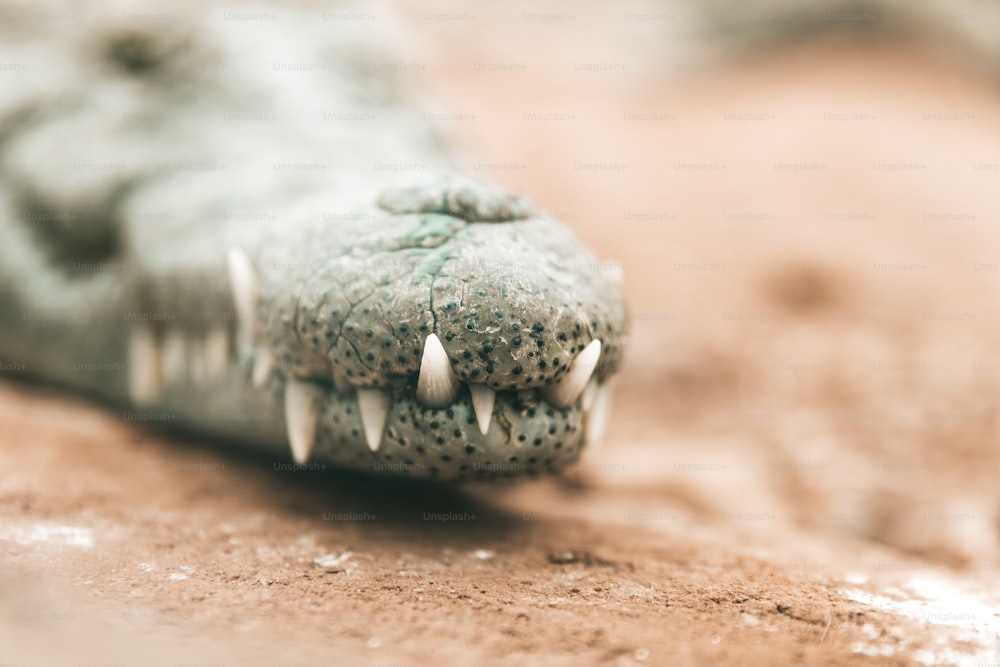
[429, 307]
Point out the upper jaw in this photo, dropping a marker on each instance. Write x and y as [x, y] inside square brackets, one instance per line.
[512, 305]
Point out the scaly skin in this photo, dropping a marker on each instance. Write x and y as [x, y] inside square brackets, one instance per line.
[137, 156]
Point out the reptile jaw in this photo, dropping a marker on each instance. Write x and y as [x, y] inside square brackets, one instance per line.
[437, 385]
[327, 414]
[160, 359]
[303, 399]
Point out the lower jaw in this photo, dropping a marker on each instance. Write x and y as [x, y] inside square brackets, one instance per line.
[526, 436]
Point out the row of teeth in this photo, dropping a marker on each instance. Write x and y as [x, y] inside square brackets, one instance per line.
[437, 387]
[154, 364]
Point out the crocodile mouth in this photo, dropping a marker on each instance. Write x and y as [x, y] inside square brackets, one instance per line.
[409, 416]
[459, 326]
[435, 386]
[435, 395]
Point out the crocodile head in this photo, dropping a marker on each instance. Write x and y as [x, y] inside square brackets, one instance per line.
[456, 333]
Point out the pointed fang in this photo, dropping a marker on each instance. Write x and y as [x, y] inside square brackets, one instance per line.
[437, 385]
[302, 405]
[244, 283]
[597, 417]
[482, 402]
[374, 406]
[564, 393]
[263, 364]
[588, 395]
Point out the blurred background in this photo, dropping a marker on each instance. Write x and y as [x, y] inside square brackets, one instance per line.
[803, 200]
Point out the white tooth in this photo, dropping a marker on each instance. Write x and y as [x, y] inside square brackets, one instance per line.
[374, 406]
[244, 283]
[216, 352]
[437, 385]
[482, 402]
[564, 393]
[588, 395]
[302, 404]
[174, 356]
[263, 364]
[597, 417]
[143, 366]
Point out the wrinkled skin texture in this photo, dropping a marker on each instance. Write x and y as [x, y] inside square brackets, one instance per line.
[134, 155]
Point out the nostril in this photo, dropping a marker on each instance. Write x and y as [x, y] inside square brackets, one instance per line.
[460, 197]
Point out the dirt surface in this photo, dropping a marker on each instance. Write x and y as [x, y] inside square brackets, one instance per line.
[801, 464]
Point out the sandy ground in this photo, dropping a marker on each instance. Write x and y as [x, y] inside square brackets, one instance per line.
[801, 464]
